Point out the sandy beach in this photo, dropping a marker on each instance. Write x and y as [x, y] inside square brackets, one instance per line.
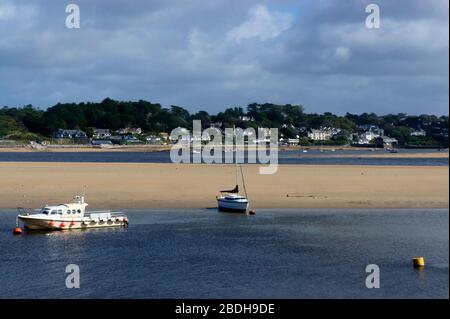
[133, 185]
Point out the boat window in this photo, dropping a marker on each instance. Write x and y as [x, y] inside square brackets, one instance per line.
[68, 211]
[54, 212]
[73, 211]
[79, 211]
[45, 211]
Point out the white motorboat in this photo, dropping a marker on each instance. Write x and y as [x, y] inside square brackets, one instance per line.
[70, 216]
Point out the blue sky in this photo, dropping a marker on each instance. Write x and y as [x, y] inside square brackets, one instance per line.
[214, 54]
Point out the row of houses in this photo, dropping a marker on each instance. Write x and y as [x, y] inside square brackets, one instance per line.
[60, 133]
[106, 136]
[323, 133]
[368, 135]
[97, 133]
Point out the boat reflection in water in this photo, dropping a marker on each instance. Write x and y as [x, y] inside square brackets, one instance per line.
[75, 233]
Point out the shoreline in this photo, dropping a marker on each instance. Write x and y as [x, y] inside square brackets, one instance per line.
[154, 185]
[83, 149]
[325, 152]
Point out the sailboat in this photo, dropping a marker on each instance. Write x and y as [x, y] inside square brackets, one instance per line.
[230, 200]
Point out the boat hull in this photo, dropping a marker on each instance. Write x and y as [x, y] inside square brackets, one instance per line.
[31, 223]
[232, 206]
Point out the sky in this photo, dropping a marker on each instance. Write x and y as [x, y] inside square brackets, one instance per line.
[213, 54]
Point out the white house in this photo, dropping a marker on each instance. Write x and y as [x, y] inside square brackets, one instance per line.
[246, 118]
[323, 134]
[153, 139]
[130, 130]
[371, 132]
[367, 137]
[419, 132]
[60, 133]
[101, 133]
[389, 142]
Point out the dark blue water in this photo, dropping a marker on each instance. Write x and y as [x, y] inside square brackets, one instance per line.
[205, 254]
[313, 157]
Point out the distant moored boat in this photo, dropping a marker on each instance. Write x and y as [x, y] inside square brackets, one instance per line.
[233, 202]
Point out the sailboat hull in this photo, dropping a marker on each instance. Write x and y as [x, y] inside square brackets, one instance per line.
[232, 205]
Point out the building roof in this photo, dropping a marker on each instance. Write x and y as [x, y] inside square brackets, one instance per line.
[69, 131]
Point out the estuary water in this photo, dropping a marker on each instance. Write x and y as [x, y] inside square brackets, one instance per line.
[312, 157]
[205, 254]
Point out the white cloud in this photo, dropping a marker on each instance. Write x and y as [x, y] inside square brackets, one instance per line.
[342, 53]
[7, 11]
[419, 34]
[202, 55]
[261, 24]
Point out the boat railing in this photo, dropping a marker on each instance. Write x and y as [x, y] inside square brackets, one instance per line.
[26, 211]
[100, 212]
[96, 212]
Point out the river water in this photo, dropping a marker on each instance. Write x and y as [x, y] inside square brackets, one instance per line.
[313, 157]
[205, 254]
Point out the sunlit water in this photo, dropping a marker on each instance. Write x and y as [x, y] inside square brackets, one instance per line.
[206, 254]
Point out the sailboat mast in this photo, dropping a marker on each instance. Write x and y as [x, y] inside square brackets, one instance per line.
[243, 181]
[235, 153]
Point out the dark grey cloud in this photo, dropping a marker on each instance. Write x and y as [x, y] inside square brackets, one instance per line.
[213, 54]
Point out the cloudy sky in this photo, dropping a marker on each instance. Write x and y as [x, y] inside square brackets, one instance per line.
[212, 54]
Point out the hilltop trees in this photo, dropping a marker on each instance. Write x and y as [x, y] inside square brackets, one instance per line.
[291, 120]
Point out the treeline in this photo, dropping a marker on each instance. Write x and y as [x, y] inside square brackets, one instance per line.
[31, 123]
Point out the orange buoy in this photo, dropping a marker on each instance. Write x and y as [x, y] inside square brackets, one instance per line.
[62, 225]
[251, 212]
[17, 231]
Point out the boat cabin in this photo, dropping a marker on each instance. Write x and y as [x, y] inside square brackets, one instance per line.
[77, 207]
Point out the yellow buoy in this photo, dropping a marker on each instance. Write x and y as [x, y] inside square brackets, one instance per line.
[419, 262]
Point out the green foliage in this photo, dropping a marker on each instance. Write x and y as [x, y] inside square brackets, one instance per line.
[342, 138]
[204, 117]
[153, 118]
[304, 141]
[9, 125]
[89, 131]
[274, 115]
